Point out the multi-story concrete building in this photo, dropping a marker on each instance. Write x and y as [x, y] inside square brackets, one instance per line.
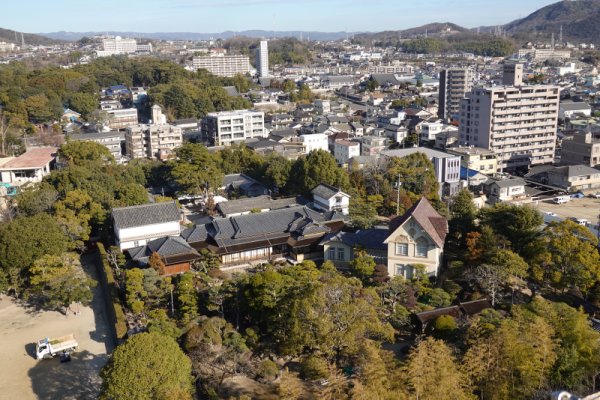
[483, 160]
[111, 140]
[122, 118]
[544, 54]
[455, 83]
[583, 148]
[152, 141]
[262, 59]
[230, 127]
[315, 141]
[118, 45]
[344, 150]
[223, 65]
[516, 122]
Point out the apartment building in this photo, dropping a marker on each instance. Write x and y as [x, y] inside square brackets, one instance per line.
[223, 65]
[111, 140]
[157, 141]
[262, 59]
[455, 83]
[344, 150]
[122, 118]
[229, 127]
[516, 122]
[544, 54]
[118, 45]
[583, 148]
[315, 141]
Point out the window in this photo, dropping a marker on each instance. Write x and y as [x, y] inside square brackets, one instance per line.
[404, 270]
[331, 253]
[401, 249]
[341, 255]
[422, 247]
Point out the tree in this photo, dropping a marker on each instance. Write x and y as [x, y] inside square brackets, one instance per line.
[156, 262]
[505, 267]
[433, 373]
[520, 225]
[147, 366]
[187, 298]
[569, 258]
[362, 266]
[77, 213]
[462, 218]
[277, 171]
[135, 294]
[85, 153]
[26, 239]
[290, 386]
[36, 199]
[83, 103]
[362, 213]
[58, 281]
[131, 194]
[196, 171]
[316, 168]
[99, 120]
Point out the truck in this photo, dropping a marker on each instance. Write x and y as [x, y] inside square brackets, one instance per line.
[48, 348]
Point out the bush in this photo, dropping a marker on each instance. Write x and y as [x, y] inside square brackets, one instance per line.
[444, 323]
[313, 367]
[268, 370]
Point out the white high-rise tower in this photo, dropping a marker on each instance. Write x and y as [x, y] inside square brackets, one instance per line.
[262, 59]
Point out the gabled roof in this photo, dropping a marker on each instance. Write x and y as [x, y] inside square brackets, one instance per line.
[260, 202]
[435, 225]
[370, 239]
[165, 247]
[32, 159]
[326, 191]
[507, 183]
[145, 214]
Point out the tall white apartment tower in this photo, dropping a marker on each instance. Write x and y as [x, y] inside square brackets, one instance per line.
[455, 83]
[262, 59]
[517, 122]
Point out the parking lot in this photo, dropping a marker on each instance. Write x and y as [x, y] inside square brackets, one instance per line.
[23, 377]
[586, 208]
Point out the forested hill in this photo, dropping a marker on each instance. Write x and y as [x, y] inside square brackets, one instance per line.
[7, 35]
[579, 21]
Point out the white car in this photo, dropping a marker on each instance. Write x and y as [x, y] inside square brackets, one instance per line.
[550, 213]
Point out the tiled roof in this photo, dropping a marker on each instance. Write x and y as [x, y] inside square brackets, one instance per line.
[261, 202]
[325, 191]
[427, 217]
[165, 247]
[368, 238]
[34, 158]
[145, 214]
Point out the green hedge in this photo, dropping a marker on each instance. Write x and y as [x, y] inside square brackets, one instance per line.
[115, 310]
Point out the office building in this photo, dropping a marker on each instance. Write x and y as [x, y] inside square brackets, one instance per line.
[223, 65]
[455, 83]
[230, 127]
[157, 141]
[516, 122]
[262, 59]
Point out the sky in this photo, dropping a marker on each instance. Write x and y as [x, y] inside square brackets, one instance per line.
[212, 16]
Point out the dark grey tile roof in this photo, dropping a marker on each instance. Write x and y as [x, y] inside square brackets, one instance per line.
[261, 202]
[145, 214]
[299, 221]
[166, 246]
[325, 191]
[197, 233]
[369, 238]
[505, 183]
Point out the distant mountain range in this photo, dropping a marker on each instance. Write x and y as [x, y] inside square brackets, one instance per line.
[578, 19]
[6, 35]
[312, 35]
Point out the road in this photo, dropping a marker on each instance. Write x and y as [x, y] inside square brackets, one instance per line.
[24, 378]
[586, 208]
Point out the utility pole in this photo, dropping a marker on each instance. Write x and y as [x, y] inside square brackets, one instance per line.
[398, 198]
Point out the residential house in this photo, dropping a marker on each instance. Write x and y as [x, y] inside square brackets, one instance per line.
[315, 141]
[510, 189]
[329, 198]
[30, 167]
[416, 238]
[137, 225]
[341, 247]
[344, 150]
[568, 109]
[293, 233]
[372, 145]
[242, 185]
[476, 158]
[174, 252]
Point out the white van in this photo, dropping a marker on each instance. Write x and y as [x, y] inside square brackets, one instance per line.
[561, 199]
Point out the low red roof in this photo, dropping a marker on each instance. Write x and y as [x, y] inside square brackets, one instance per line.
[34, 158]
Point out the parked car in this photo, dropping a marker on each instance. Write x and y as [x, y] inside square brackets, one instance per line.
[578, 195]
[595, 195]
[550, 213]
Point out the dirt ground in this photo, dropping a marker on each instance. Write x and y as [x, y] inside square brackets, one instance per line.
[587, 208]
[23, 377]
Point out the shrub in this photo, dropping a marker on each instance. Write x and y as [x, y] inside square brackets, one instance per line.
[444, 323]
[313, 367]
